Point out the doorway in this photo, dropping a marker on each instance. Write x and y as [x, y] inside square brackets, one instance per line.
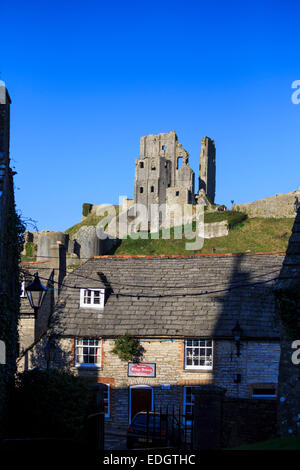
[140, 399]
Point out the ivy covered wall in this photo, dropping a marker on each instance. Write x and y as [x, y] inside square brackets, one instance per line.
[10, 246]
[11, 243]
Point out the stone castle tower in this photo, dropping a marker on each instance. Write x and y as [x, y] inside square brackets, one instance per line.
[163, 174]
[207, 173]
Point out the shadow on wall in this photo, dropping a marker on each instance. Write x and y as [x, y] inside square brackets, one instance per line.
[222, 418]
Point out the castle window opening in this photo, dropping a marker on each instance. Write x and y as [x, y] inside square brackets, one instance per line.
[152, 189]
[141, 190]
[164, 147]
[179, 163]
[153, 168]
[141, 164]
[177, 193]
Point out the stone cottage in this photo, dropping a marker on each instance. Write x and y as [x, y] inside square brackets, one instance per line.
[185, 312]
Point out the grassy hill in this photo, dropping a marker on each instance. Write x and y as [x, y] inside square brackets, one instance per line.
[250, 235]
[245, 235]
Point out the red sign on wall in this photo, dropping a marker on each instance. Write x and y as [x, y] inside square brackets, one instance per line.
[141, 370]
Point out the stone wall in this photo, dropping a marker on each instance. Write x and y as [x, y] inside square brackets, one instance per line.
[10, 229]
[279, 206]
[258, 363]
[246, 421]
[216, 229]
[207, 173]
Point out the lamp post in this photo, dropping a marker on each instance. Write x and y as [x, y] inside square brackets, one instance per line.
[36, 293]
[50, 352]
[237, 334]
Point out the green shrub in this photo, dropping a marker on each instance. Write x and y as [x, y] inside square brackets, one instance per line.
[30, 249]
[49, 403]
[127, 347]
[86, 208]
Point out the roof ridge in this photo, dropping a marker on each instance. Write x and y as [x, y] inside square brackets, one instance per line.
[197, 255]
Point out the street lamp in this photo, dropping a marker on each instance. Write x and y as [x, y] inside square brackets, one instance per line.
[237, 334]
[50, 351]
[36, 293]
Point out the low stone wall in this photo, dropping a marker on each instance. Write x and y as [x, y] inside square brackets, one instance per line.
[279, 206]
[216, 229]
[248, 420]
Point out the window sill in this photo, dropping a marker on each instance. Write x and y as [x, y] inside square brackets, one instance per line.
[92, 307]
[197, 371]
[88, 366]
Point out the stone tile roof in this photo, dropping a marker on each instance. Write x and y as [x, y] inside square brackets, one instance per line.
[160, 296]
[289, 278]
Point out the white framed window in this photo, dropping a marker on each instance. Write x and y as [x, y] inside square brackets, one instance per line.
[22, 291]
[92, 298]
[88, 352]
[198, 354]
[106, 397]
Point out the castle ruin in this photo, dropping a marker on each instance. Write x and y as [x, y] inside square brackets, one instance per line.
[163, 175]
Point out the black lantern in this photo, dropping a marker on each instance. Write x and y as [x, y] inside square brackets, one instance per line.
[36, 293]
[50, 351]
[237, 334]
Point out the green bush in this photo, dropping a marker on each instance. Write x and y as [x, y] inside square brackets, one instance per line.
[49, 403]
[127, 347]
[86, 208]
[29, 249]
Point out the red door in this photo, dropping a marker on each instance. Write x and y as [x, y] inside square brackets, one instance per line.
[141, 400]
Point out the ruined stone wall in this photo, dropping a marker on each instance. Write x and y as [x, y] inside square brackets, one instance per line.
[207, 173]
[163, 165]
[281, 205]
[247, 421]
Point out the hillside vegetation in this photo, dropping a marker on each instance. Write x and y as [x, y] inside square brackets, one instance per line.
[245, 235]
[250, 235]
[91, 219]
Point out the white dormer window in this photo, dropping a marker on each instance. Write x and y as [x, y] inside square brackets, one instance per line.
[92, 298]
[23, 293]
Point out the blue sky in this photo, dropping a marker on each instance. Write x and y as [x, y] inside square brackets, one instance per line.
[87, 79]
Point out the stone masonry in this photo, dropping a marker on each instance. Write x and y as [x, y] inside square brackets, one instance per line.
[158, 300]
[9, 275]
[207, 176]
[281, 205]
[163, 175]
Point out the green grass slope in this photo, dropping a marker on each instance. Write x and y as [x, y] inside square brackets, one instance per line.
[250, 235]
[245, 235]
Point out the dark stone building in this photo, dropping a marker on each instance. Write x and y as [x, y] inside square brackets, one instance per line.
[10, 244]
[288, 302]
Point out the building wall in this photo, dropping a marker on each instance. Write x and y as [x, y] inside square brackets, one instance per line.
[10, 228]
[257, 365]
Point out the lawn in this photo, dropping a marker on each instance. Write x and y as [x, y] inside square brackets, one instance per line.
[282, 443]
[249, 235]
